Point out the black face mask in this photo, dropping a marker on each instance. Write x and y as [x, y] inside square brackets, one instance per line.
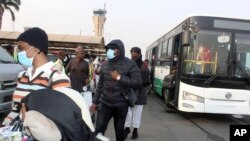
[135, 58]
[138, 61]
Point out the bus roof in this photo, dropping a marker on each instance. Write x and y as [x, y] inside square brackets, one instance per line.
[154, 44]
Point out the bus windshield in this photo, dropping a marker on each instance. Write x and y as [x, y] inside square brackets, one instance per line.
[210, 51]
[207, 52]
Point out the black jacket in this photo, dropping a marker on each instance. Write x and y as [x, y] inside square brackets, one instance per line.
[62, 110]
[108, 90]
[142, 95]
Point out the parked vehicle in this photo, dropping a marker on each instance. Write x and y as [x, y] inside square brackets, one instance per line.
[9, 70]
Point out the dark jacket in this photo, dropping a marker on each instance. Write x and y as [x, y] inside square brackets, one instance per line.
[62, 110]
[142, 95]
[108, 90]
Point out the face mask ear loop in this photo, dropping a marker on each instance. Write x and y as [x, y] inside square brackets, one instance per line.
[28, 50]
[34, 54]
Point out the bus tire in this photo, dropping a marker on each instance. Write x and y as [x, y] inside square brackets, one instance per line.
[166, 97]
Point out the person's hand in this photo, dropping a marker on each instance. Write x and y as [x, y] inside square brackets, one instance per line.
[115, 75]
[93, 108]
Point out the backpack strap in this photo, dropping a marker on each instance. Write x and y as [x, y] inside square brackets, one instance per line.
[50, 79]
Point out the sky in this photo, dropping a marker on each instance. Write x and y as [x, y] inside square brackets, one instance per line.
[135, 22]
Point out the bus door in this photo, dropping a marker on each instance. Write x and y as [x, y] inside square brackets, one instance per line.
[176, 64]
[152, 64]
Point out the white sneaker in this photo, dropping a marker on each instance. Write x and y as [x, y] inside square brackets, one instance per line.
[101, 137]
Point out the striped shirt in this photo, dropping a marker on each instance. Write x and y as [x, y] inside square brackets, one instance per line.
[59, 65]
[28, 83]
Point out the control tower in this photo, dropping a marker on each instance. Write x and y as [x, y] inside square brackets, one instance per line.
[99, 20]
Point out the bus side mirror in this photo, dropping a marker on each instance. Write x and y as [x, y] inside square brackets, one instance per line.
[186, 38]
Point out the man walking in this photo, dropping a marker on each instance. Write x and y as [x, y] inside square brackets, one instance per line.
[134, 113]
[117, 75]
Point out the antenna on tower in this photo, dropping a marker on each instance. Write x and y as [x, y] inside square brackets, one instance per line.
[105, 6]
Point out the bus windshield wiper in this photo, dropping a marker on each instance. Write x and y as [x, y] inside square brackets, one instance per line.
[229, 62]
[217, 72]
[243, 71]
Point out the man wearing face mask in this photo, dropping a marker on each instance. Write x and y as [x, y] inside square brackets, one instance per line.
[117, 74]
[32, 53]
[134, 113]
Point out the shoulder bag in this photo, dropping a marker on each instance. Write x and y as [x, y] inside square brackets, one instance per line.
[131, 96]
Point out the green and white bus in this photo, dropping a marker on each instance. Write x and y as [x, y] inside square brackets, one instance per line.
[213, 65]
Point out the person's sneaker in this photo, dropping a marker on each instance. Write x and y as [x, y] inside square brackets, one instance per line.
[101, 137]
[126, 132]
[135, 134]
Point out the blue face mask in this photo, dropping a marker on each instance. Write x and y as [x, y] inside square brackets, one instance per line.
[24, 60]
[111, 54]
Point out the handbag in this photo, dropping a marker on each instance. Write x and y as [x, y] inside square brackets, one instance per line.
[131, 96]
[14, 132]
[17, 126]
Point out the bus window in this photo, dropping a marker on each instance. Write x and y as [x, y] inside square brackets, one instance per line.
[247, 65]
[159, 51]
[170, 42]
[222, 52]
[242, 43]
[150, 54]
[164, 49]
[165, 63]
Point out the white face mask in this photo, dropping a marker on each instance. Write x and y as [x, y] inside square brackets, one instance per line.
[175, 59]
[24, 60]
[111, 53]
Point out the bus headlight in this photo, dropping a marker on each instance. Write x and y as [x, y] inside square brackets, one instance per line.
[192, 97]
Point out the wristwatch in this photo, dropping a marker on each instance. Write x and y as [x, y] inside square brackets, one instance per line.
[118, 77]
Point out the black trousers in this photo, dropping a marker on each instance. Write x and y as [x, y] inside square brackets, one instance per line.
[119, 114]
